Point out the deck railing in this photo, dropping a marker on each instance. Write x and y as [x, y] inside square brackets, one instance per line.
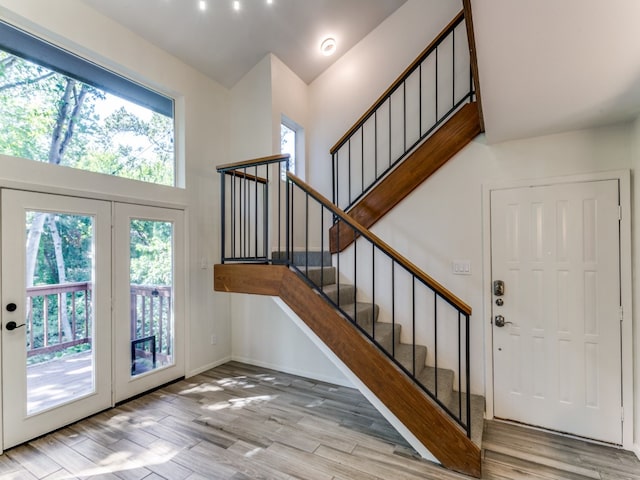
[46, 321]
[51, 329]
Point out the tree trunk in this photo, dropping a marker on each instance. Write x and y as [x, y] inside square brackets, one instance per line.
[62, 278]
[60, 138]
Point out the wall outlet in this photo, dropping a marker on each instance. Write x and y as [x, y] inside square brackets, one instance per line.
[214, 339]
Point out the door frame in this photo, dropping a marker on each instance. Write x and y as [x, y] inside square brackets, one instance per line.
[624, 181]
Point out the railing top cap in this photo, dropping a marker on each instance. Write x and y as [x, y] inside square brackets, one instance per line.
[254, 162]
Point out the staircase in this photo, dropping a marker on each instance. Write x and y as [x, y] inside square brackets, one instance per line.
[387, 332]
[317, 268]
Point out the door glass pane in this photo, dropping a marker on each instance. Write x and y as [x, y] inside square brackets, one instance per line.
[151, 284]
[59, 308]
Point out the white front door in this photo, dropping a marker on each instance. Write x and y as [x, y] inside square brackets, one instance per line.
[56, 312]
[557, 358]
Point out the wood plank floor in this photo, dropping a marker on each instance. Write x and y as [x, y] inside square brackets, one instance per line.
[241, 422]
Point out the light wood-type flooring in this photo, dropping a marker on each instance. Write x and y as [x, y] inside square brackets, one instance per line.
[241, 422]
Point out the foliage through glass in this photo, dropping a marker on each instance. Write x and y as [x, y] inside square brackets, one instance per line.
[53, 118]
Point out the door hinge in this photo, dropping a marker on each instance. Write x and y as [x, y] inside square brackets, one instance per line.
[620, 212]
[622, 414]
[621, 311]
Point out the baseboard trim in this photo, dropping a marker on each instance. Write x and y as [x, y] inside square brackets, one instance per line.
[209, 366]
[293, 371]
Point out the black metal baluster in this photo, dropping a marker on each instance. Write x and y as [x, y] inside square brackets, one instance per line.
[404, 115]
[435, 340]
[288, 218]
[234, 214]
[468, 378]
[390, 132]
[223, 180]
[413, 321]
[453, 68]
[355, 276]
[279, 180]
[322, 207]
[306, 234]
[265, 219]
[420, 101]
[437, 85]
[337, 176]
[255, 214]
[375, 146]
[349, 169]
[362, 158]
[373, 285]
[459, 368]
[393, 308]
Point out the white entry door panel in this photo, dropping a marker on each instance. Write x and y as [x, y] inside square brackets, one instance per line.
[557, 359]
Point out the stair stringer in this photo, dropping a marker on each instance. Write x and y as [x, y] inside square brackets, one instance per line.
[423, 424]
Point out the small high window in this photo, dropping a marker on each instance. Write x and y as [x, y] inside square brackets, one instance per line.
[291, 142]
[58, 108]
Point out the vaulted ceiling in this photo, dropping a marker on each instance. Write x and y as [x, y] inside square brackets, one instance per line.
[226, 43]
[546, 66]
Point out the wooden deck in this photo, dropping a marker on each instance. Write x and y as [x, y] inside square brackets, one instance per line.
[240, 422]
[58, 381]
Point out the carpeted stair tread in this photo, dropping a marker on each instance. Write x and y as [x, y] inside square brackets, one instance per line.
[319, 276]
[404, 355]
[364, 314]
[347, 293]
[477, 414]
[384, 334]
[445, 383]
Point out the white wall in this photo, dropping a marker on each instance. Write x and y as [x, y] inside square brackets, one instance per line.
[251, 128]
[290, 98]
[201, 135]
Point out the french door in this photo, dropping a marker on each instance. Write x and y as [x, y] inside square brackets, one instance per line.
[56, 312]
[92, 307]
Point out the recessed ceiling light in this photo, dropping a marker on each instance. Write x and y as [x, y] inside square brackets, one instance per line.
[328, 46]
[269, 2]
[236, 5]
[202, 5]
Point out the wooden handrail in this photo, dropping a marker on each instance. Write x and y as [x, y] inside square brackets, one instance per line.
[52, 289]
[419, 59]
[393, 254]
[255, 162]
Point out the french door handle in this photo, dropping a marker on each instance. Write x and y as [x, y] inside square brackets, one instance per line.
[13, 325]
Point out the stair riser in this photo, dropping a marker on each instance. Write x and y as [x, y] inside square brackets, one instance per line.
[301, 259]
[318, 276]
[345, 296]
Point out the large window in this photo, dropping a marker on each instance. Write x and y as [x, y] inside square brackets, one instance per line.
[58, 108]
